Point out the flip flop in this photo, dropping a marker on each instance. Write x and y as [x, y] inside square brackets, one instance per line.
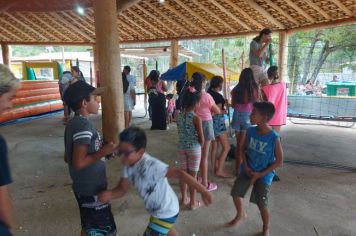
[212, 186]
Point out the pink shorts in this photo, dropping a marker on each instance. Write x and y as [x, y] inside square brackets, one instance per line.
[190, 159]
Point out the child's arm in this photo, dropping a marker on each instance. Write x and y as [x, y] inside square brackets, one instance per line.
[215, 109]
[242, 150]
[191, 182]
[279, 160]
[119, 191]
[6, 207]
[199, 128]
[81, 158]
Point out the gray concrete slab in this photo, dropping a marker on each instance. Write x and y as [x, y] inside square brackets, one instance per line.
[308, 200]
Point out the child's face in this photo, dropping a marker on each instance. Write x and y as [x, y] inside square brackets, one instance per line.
[129, 154]
[5, 100]
[256, 117]
[93, 105]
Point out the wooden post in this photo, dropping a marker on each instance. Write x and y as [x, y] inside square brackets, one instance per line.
[6, 54]
[109, 67]
[96, 66]
[174, 53]
[283, 52]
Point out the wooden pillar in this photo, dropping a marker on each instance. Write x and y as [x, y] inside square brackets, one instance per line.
[174, 53]
[283, 55]
[6, 54]
[109, 66]
[96, 66]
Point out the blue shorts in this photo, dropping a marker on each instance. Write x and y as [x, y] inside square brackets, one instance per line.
[240, 120]
[219, 125]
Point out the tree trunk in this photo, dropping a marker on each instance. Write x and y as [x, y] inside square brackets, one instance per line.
[307, 61]
[325, 52]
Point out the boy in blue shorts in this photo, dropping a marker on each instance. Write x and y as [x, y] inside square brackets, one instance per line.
[262, 153]
[149, 177]
[85, 155]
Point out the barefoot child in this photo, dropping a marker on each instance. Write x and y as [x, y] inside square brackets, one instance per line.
[263, 154]
[85, 155]
[190, 130]
[149, 176]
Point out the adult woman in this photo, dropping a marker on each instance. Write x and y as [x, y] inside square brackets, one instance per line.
[157, 100]
[220, 133]
[204, 111]
[8, 88]
[129, 99]
[259, 55]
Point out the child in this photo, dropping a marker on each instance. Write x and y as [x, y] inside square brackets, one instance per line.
[85, 155]
[204, 110]
[276, 93]
[8, 87]
[191, 138]
[244, 94]
[261, 156]
[149, 176]
[170, 107]
[129, 99]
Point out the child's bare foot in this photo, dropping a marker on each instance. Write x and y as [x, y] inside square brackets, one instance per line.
[184, 202]
[222, 174]
[265, 231]
[236, 221]
[195, 205]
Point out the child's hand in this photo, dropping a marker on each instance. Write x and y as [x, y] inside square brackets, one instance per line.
[207, 197]
[109, 148]
[105, 197]
[255, 176]
[248, 171]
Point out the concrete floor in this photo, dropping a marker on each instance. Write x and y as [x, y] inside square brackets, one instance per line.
[308, 200]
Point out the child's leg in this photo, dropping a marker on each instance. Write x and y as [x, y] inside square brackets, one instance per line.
[237, 152]
[127, 119]
[240, 212]
[259, 196]
[242, 140]
[223, 139]
[265, 219]
[213, 150]
[204, 162]
[184, 166]
[194, 157]
[173, 232]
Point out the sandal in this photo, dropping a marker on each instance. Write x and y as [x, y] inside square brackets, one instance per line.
[212, 186]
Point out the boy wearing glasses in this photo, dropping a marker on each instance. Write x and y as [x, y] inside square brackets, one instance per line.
[85, 155]
[149, 177]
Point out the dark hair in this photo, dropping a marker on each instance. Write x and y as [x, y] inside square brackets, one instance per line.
[190, 99]
[262, 32]
[265, 109]
[76, 106]
[134, 136]
[128, 68]
[169, 96]
[215, 82]
[181, 84]
[197, 81]
[154, 75]
[271, 71]
[125, 82]
[245, 91]
[80, 73]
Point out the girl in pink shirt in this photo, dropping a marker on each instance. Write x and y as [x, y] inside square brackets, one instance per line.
[276, 93]
[204, 110]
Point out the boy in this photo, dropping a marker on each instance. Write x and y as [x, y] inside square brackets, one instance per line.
[149, 177]
[262, 154]
[85, 155]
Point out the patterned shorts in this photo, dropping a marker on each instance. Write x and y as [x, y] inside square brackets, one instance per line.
[219, 125]
[160, 227]
[190, 159]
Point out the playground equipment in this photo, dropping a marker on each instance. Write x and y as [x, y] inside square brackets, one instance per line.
[29, 74]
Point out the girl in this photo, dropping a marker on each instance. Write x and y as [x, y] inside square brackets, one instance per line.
[276, 93]
[204, 110]
[8, 87]
[129, 99]
[220, 133]
[77, 74]
[191, 138]
[170, 107]
[243, 95]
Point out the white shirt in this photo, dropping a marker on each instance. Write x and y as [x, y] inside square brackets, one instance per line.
[132, 80]
[148, 176]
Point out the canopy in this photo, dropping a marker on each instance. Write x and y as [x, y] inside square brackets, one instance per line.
[209, 70]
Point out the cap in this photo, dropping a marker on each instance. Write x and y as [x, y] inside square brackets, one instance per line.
[78, 91]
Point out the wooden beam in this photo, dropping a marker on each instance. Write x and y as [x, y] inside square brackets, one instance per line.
[156, 19]
[62, 43]
[109, 63]
[174, 53]
[264, 13]
[282, 12]
[80, 20]
[10, 33]
[213, 15]
[283, 54]
[232, 16]
[26, 26]
[196, 15]
[146, 21]
[127, 26]
[318, 9]
[343, 7]
[123, 5]
[300, 11]
[4, 22]
[188, 22]
[69, 25]
[137, 25]
[240, 11]
[48, 25]
[6, 54]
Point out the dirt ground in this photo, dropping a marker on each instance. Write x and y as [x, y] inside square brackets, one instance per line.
[307, 200]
